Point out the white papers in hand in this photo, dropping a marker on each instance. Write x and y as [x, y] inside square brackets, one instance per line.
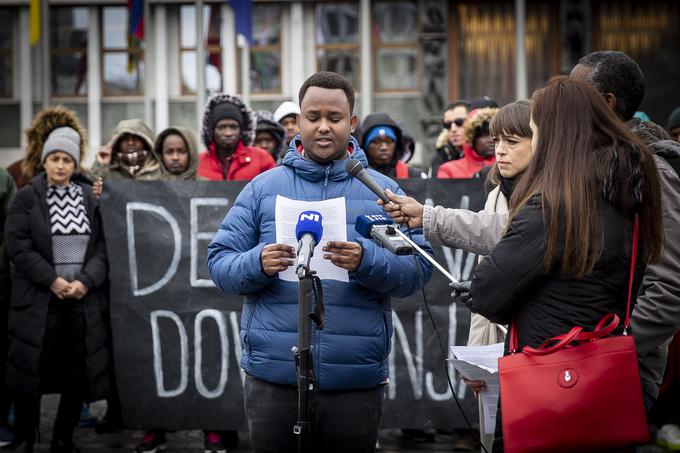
[480, 363]
[333, 213]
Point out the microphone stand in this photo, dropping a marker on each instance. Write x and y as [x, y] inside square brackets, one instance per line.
[309, 289]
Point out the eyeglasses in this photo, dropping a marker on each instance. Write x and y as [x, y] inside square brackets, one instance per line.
[458, 122]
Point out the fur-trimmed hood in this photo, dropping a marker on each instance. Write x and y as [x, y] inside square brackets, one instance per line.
[43, 123]
[249, 121]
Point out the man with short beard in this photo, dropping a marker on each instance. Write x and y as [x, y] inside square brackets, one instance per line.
[351, 351]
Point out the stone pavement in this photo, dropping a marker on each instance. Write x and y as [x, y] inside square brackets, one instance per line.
[89, 441]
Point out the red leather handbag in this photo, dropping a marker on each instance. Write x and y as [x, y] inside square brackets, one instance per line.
[578, 391]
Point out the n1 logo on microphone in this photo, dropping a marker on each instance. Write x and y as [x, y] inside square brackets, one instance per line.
[309, 222]
[310, 215]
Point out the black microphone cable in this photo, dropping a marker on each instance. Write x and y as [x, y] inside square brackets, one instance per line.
[441, 345]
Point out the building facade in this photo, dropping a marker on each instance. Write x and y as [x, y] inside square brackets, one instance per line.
[407, 58]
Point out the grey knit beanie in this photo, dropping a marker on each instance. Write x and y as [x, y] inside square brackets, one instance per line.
[65, 139]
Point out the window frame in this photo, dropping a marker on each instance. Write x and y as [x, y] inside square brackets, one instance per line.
[208, 49]
[270, 48]
[376, 45]
[340, 46]
[54, 51]
[139, 51]
[8, 52]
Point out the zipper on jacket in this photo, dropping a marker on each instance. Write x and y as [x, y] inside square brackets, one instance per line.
[325, 182]
[250, 320]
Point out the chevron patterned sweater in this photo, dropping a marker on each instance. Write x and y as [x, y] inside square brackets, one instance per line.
[70, 228]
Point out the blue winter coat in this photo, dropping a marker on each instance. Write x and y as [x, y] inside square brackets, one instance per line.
[352, 349]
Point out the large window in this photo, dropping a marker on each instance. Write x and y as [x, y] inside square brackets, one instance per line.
[395, 43]
[5, 53]
[212, 45]
[68, 38]
[265, 54]
[123, 58]
[649, 32]
[483, 47]
[337, 39]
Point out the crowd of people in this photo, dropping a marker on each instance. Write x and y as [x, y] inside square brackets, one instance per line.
[541, 160]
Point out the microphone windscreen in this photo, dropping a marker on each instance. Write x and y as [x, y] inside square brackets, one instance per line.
[353, 167]
[365, 222]
[309, 222]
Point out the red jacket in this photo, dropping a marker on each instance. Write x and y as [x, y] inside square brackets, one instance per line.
[246, 163]
[465, 168]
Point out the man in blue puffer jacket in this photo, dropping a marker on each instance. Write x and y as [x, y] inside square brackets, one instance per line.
[350, 354]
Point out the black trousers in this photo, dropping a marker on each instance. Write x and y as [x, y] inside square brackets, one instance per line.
[343, 421]
[62, 369]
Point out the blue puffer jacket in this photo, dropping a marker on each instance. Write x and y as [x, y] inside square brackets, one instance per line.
[352, 349]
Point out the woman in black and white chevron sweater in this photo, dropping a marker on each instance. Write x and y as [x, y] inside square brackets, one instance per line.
[58, 342]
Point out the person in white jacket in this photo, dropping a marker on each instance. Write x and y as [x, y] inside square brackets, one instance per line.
[478, 232]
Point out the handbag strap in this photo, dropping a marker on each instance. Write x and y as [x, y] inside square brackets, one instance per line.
[606, 325]
[633, 258]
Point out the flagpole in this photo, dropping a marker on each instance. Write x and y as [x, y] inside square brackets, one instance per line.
[148, 61]
[200, 64]
[245, 68]
[45, 54]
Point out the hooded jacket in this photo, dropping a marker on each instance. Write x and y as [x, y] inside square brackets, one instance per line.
[43, 123]
[247, 161]
[266, 123]
[351, 352]
[150, 171]
[397, 169]
[444, 152]
[7, 191]
[467, 167]
[656, 317]
[190, 139]
[29, 245]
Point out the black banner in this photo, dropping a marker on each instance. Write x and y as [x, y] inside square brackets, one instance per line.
[176, 337]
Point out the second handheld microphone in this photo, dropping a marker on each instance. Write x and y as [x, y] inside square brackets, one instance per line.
[384, 231]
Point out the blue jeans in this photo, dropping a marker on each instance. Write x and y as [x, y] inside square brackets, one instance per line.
[342, 421]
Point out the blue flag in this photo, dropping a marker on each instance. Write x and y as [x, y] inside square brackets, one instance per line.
[243, 13]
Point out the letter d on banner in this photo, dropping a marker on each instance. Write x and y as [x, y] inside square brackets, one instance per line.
[163, 213]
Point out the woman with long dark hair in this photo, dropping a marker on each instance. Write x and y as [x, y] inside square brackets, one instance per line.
[564, 259]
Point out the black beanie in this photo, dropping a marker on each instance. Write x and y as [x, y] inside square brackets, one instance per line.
[674, 119]
[226, 110]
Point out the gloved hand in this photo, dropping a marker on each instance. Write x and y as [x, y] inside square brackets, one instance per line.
[461, 292]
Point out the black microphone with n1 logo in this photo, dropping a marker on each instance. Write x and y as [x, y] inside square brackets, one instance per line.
[384, 232]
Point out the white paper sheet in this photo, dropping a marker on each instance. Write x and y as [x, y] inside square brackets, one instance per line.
[334, 220]
[480, 363]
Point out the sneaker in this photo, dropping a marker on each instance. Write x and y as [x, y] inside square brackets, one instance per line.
[213, 443]
[152, 442]
[6, 436]
[107, 426]
[87, 420]
[229, 438]
[669, 437]
[58, 446]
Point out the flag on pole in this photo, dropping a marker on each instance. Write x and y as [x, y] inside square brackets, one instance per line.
[243, 13]
[34, 22]
[135, 32]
